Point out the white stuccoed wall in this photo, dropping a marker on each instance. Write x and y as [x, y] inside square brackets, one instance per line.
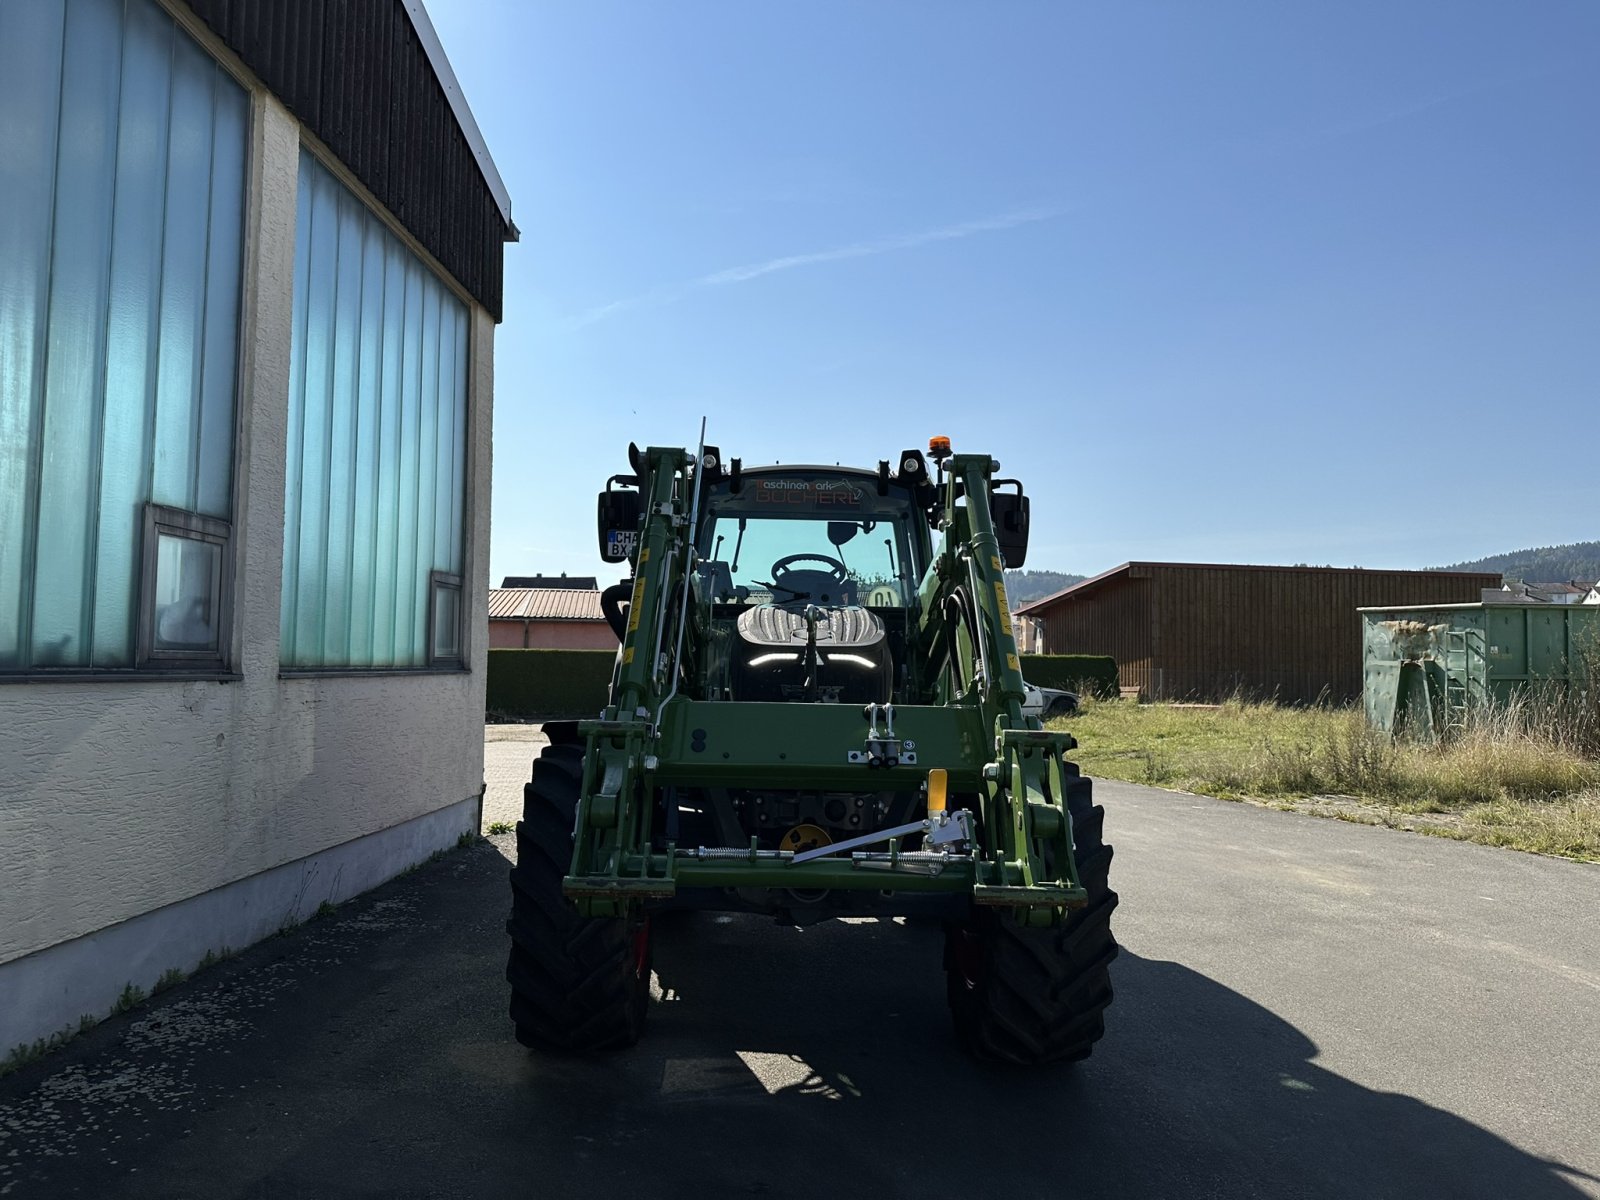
[118, 799]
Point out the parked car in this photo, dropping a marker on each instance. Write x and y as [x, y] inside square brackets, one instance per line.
[1045, 703]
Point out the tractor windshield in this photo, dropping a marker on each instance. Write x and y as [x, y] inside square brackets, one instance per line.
[811, 539]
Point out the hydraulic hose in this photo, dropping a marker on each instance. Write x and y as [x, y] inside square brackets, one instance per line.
[958, 611]
[611, 607]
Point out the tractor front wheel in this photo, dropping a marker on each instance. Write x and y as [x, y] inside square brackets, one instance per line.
[1028, 996]
[577, 983]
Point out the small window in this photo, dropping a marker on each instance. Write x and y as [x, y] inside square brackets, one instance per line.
[444, 620]
[184, 594]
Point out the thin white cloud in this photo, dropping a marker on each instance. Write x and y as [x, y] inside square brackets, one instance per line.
[788, 262]
[904, 241]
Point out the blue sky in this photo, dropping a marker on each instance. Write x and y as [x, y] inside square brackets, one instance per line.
[1252, 282]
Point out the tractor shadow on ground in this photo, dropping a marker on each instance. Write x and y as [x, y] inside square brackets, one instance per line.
[821, 1061]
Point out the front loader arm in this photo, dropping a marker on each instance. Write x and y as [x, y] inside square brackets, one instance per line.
[1029, 829]
[613, 820]
[664, 540]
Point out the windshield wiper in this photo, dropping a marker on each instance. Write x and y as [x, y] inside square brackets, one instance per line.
[778, 587]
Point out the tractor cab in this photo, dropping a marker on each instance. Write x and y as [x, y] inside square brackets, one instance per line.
[807, 574]
[808, 583]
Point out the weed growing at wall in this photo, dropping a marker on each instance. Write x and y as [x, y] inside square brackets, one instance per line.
[132, 996]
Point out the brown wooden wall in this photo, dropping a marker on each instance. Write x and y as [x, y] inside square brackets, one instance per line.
[1204, 632]
[1117, 622]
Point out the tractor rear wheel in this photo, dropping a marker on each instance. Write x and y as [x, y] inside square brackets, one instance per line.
[577, 983]
[1028, 996]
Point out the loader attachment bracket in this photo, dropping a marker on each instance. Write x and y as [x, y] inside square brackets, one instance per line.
[1034, 871]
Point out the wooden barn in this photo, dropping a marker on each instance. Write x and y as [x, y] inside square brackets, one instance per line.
[1203, 631]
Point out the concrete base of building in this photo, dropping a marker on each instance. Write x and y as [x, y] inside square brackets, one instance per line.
[51, 991]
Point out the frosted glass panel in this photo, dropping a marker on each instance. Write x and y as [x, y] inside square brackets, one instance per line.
[30, 91]
[220, 345]
[131, 329]
[294, 468]
[183, 280]
[376, 478]
[122, 167]
[74, 373]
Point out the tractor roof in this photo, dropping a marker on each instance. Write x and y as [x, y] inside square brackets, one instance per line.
[832, 469]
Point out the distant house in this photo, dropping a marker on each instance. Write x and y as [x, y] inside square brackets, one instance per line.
[548, 618]
[1029, 632]
[1204, 631]
[582, 583]
[1572, 591]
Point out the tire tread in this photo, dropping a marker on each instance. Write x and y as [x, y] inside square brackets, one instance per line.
[575, 982]
[1041, 994]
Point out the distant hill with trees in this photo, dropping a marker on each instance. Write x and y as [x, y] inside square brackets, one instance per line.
[1542, 564]
[1024, 587]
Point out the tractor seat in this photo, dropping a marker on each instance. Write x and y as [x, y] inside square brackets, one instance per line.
[785, 625]
[771, 660]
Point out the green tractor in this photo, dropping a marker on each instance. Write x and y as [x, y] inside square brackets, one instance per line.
[815, 713]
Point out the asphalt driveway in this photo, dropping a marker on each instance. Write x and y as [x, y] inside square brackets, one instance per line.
[1304, 1008]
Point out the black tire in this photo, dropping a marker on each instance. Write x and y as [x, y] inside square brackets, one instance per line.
[578, 984]
[1062, 707]
[1030, 996]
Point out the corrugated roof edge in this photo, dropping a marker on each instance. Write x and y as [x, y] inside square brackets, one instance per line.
[545, 604]
[1105, 575]
[463, 111]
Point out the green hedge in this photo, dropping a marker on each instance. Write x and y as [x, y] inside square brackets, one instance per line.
[548, 683]
[574, 683]
[1087, 674]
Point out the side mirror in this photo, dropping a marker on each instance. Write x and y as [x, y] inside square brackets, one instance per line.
[618, 523]
[1010, 514]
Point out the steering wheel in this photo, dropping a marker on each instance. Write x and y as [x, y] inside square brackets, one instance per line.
[839, 570]
[809, 585]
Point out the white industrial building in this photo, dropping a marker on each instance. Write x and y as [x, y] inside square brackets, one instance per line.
[250, 272]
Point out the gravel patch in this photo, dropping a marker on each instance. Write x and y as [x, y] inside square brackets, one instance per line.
[508, 753]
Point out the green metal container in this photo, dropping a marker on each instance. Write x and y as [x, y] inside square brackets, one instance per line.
[1424, 667]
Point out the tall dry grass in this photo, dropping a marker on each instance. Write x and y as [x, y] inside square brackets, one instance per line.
[1523, 773]
[1333, 751]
